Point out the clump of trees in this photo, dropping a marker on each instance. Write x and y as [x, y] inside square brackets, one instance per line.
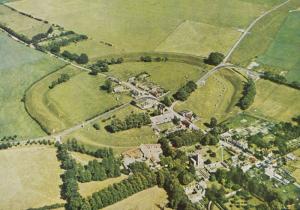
[150, 59]
[103, 65]
[248, 95]
[80, 59]
[184, 92]
[280, 79]
[185, 138]
[215, 58]
[35, 39]
[107, 86]
[63, 78]
[167, 101]
[65, 41]
[131, 121]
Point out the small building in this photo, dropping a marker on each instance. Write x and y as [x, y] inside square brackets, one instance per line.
[164, 118]
[187, 114]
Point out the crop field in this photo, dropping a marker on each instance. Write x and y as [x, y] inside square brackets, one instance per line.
[284, 51]
[119, 141]
[151, 199]
[275, 101]
[30, 177]
[21, 23]
[16, 75]
[262, 35]
[143, 25]
[170, 75]
[71, 102]
[217, 98]
[87, 189]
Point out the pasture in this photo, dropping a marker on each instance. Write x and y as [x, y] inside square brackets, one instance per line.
[30, 177]
[139, 26]
[170, 75]
[150, 199]
[21, 23]
[284, 51]
[20, 66]
[217, 98]
[71, 102]
[119, 141]
[277, 102]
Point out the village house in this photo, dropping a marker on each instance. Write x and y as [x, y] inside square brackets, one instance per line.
[164, 118]
[187, 114]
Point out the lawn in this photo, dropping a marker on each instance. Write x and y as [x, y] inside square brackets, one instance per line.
[170, 75]
[151, 199]
[119, 141]
[284, 51]
[87, 189]
[138, 26]
[71, 102]
[21, 23]
[241, 120]
[20, 67]
[217, 98]
[277, 102]
[30, 177]
[262, 35]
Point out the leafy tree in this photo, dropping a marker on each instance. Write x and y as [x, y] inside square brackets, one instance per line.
[215, 58]
[82, 59]
[167, 101]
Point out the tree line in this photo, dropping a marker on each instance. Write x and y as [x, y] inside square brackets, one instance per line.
[63, 78]
[280, 79]
[248, 95]
[150, 59]
[80, 59]
[184, 92]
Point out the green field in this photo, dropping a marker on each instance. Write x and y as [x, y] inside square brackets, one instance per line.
[217, 98]
[139, 26]
[29, 177]
[71, 102]
[21, 23]
[284, 51]
[170, 75]
[119, 141]
[277, 102]
[262, 35]
[19, 68]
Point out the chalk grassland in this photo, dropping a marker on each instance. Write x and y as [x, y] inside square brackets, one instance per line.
[284, 51]
[170, 75]
[141, 26]
[87, 189]
[199, 39]
[262, 35]
[30, 177]
[20, 66]
[151, 199]
[71, 102]
[275, 101]
[217, 98]
[21, 23]
[119, 141]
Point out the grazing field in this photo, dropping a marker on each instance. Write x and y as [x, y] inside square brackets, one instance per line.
[151, 199]
[284, 51]
[138, 26]
[262, 35]
[217, 98]
[119, 141]
[71, 102]
[30, 177]
[275, 101]
[170, 75]
[87, 189]
[199, 39]
[21, 23]
[20, 66]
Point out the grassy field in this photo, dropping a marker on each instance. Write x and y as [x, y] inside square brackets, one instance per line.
[142, 25]
[284, 51]
[262, 35]
[71, 102]
[87, 189]
[19, 68]
[29, 177]
[170, 75]
[82, 158]
[275, 101]
[217, 97]
[150, 199]
[21, 23]
[119, 141]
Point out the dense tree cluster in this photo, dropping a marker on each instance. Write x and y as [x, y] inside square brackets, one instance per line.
[103, 65]
[41, 36]
[5, 145]
[280, 79]
[131, 121]
[184, 92]
[185, 138]
[63, 78]
[55, 45]
[167, 101]
[215, 58]
[248, 95]
[107, 86]
[80, 59]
